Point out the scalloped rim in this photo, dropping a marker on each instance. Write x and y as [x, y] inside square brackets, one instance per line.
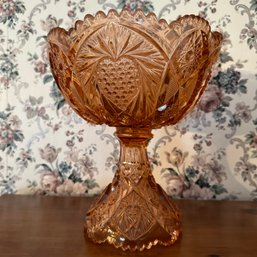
[151, 19]
[125, 11]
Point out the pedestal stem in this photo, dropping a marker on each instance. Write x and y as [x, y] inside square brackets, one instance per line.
[133, 162]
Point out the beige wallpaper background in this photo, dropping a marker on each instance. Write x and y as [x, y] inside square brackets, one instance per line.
[45, 148]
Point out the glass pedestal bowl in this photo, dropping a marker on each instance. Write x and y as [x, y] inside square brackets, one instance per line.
[136, 73]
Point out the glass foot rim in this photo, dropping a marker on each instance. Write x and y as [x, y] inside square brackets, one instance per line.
[127, 247]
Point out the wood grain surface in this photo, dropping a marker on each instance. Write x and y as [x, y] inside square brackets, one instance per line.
[46, 226]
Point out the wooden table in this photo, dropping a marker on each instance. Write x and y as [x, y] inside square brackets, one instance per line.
[44, 226]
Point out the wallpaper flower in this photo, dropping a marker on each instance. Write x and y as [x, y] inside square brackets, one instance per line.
[45, 148]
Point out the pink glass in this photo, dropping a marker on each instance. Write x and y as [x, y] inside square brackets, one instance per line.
[135, 73]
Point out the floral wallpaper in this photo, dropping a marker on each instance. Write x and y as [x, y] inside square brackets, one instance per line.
[45, 148]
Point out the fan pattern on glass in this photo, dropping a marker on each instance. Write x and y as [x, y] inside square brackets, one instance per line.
[131, 69]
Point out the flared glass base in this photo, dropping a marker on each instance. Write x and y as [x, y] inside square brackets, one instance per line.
[133, 212]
